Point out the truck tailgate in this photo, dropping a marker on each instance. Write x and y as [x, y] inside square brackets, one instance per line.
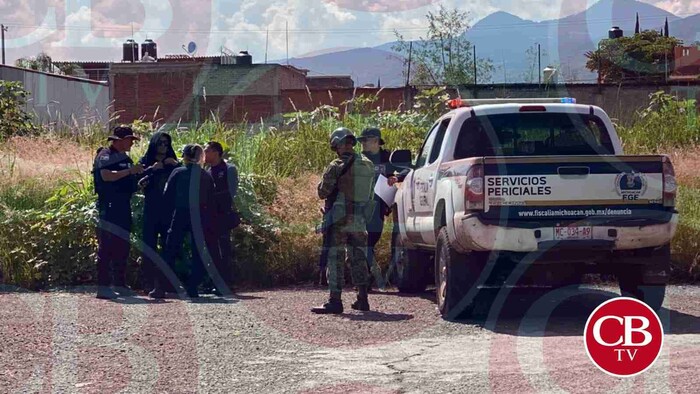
[573, 187]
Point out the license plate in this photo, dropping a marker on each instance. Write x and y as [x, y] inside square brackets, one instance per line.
[573, 233]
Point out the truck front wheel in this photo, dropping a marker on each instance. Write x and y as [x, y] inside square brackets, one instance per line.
[456, 275]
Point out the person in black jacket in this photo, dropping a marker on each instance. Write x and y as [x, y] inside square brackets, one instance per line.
[372, 142]
[162, 160]
[189, 202]
[225, 177]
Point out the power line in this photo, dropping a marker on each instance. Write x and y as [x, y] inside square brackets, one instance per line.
[528, 24]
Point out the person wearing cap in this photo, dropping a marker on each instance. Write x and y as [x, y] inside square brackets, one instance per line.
[372, 142]
[225, 177]
[115, 177]
[351, 176]
[189, 203]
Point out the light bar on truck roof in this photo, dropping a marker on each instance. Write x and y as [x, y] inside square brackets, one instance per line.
[459, 103]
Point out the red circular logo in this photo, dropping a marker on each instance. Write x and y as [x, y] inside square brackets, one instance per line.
[623, 337]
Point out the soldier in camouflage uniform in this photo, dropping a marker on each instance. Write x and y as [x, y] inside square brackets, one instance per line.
[351, 175]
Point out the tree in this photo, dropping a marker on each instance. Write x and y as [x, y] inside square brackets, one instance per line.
[42, 62]
[69, 68]
[444, 56]
[644, 57]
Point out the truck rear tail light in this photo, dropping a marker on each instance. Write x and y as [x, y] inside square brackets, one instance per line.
[670, 186]
[533, 108]
[474, 188]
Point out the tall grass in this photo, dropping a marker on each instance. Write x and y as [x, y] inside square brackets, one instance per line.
[667, 124]
[686, 243]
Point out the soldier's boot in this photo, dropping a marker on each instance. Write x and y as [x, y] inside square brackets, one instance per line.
[105, 293]
[362, 303]
[334, 306]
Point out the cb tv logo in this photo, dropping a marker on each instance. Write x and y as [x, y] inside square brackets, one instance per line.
[623, 337]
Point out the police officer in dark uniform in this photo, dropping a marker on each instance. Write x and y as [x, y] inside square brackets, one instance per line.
[189, 199]
[225, 177]
[115, 177]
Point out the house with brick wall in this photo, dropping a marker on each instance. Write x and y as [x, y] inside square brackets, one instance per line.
[190, 91]
[686, 65]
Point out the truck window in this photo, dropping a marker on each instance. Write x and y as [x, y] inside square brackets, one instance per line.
[427, 147]
[533, 134]
[439, 138]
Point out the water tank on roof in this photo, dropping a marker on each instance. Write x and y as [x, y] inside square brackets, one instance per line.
[244, 58]
[550, 75]
[131, 51]
[615, 32]
[149, 47]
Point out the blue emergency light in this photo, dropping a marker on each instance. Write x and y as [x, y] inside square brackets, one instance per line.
[568, 100]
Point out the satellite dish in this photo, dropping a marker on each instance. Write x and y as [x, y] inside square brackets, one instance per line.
[191, 47]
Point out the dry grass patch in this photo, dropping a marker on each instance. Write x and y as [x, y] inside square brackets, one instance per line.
[686, 163]
[297, 208]
[46, 158]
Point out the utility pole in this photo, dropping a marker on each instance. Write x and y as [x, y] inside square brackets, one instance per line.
[3, 29]
[539, 65]
[267, 40]
[475, 77]
[410, 54]
[287, 34]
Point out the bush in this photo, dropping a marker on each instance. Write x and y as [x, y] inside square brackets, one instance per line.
[55, 244]
[667, 123]
[15, 120]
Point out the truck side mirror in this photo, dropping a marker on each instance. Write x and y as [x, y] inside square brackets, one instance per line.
[401, 158]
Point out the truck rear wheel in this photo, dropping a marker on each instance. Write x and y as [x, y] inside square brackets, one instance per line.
[455, 275]
[410, 269]
[652, 294]
[643, 281]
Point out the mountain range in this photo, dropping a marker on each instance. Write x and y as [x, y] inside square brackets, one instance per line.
[505, 38]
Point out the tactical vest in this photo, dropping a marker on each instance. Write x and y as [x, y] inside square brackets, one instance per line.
[357, 184]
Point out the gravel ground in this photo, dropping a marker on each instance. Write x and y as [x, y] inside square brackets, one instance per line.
[268, 342]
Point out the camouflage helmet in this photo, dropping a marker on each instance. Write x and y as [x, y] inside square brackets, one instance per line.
[339, 135]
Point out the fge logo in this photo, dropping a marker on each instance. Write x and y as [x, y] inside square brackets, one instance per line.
[623, 337]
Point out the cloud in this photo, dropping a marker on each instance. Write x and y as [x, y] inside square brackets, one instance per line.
[681, 8]
[242, 24]
[381, 5]
[312, 25]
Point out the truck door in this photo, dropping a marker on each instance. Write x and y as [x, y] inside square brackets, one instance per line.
[410, 206]
[425, 182]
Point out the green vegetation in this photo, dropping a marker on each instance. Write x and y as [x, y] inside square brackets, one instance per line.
[667, 124]
[47, 223]
[15, 120]
[642, 57]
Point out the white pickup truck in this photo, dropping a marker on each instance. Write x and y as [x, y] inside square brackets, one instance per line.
[533, 192]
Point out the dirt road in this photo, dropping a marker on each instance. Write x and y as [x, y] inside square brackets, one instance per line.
[268, 342]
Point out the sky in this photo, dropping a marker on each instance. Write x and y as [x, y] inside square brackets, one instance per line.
[95, 29]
